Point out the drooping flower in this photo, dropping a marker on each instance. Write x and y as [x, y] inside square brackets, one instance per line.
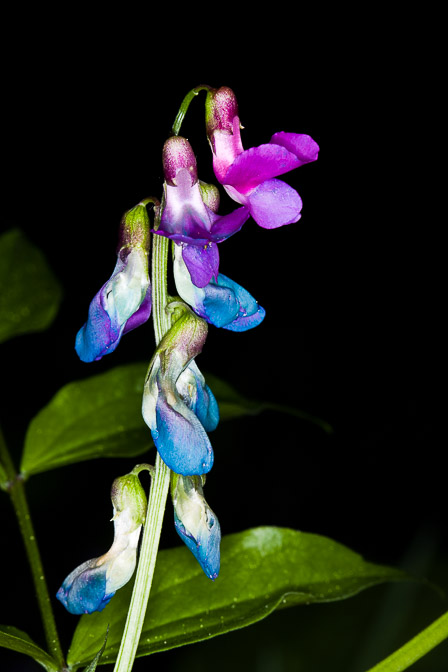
[178, 406]
[187, 219]
[91, 586]
[249, 175]
[222, 302]
[195, 522]
[124, 301]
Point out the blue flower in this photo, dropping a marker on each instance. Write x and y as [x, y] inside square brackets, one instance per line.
[222, 302]
[178, 406]
[91, 586]
[124, 301]
[195, 522]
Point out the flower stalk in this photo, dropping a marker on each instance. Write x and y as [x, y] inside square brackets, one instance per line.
[185, 105]
[159, 485]
[16, 489]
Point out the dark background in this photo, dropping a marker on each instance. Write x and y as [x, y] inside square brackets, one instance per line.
[351, 334]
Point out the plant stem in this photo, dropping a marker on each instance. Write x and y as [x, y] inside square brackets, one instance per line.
[185, 105]
[416, 648]
[16, 489]
[159, 485]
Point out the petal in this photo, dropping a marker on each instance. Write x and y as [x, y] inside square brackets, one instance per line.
[274, 203]
[206, 548]
[84, 590]
[258, 164]
[202, 262]
[141, 315]
[99, 336]
[181, 439]
[185, 217]
[303, 146]
[246, 322]
[226, 225]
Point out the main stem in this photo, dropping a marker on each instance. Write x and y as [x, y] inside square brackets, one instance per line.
[16, 489]
[159, 485]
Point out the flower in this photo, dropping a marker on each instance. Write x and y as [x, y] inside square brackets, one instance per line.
[187, 219]
[91, 586]
[222, 302]
[195, 522]
[124, 302]
[248, 175]
[177, 405]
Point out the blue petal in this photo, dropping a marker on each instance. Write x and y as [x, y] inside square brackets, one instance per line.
[245, 322]
[84, 590]
[206, 548]
[181, 439]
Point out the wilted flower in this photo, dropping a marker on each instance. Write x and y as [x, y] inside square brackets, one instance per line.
[178, 405]
[222, 302]
[187, 219]
[247, 175]
[91, 586]
[195, 522]
[124, 302]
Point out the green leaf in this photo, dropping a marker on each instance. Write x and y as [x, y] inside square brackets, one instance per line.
[29, 293]
[97, 417]
[232, 404]
[262, 569]
[95, 661]
[3, 478]
[17, 640]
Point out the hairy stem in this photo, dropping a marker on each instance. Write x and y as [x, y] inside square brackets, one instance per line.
[16, 489]
[159, 485]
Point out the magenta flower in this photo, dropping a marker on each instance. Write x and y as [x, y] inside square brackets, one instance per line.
[189, 215]
[248, 176]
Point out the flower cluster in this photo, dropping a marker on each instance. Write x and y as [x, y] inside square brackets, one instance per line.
[178, 406]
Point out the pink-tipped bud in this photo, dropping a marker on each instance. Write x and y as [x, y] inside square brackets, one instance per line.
[221, 109]
[177, 155]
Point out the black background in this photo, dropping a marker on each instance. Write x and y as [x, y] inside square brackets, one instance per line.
[351, 291]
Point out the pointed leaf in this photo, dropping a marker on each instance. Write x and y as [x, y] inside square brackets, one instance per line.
[17, 640]
[96, 417]
[262, 569]
[95, 661]
[29, 293]
[3, 478]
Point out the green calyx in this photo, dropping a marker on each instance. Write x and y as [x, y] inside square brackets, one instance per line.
[135, 226]
[128, 496]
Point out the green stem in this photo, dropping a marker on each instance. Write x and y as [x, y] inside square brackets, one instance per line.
[159, 485]
[16, 489]
[416, 648]
[185, 105]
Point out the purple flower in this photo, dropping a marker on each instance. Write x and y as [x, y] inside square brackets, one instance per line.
[249, 175]
[190, 221]
[124, 301]
[178, 407]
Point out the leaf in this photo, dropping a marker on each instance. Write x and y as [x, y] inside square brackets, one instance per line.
[29, 292]
[95, 661]
[3, 478]
[17, 640]
[97, 417]
[262, 569]
[101, 417]
[232, 404]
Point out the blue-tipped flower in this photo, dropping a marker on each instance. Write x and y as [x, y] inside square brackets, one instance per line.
[195, 522]
[124, 302]
[222, 302]
[177, 405]
[90, 586]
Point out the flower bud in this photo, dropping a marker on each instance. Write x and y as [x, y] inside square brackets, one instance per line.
[195, 522]
[178, 155]
[124, 302]
[91, 586]
[176, 429]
